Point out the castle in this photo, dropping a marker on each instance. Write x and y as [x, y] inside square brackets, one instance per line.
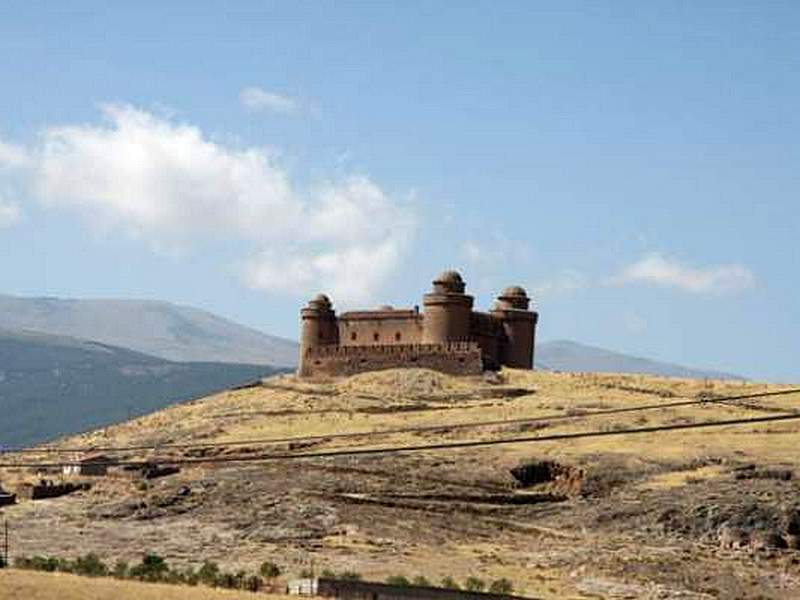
[447, 336]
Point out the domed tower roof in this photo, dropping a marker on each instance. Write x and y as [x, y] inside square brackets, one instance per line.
[514, 291]
[513, 296]
[449, 282]
[320, 301]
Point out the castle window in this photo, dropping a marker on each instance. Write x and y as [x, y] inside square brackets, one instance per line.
[353, 336]
[376, 336]
[397, 336]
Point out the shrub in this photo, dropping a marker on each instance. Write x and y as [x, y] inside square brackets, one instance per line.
[89, 565]
[501, 586]
[39, 563]
[398, 580]
[208, 573]
[120, 569]
[269, 570]
[308, 574]
[231, 581]
[473, 584]
[349, 576]
[421, 580]
[152, 568]
[328, 574]
[450, 583]
[254, 583]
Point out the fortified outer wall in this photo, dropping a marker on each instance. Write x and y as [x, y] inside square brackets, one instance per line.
[386, 338]
[455, 358]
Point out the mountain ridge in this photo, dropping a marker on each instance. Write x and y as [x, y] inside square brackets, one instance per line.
[52, 385]
[170, 331]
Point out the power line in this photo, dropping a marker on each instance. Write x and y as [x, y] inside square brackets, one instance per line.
[424, 447]
[411, 429]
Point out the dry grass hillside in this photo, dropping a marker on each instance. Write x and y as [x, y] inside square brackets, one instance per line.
[26, 585]
[683, 514]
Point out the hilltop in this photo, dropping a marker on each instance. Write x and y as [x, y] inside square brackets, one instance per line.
[684, 514]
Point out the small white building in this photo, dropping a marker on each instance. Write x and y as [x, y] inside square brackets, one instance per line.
[302, 587]
[90, 465]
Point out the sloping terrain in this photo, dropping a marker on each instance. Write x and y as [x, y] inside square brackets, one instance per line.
[168, 331]
[693, 513]
[54, 385]
[571, 357]
[29, 585]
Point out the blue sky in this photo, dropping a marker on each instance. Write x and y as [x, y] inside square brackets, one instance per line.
[634, 165]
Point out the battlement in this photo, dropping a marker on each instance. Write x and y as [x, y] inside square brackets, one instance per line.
[456, 358]
[447, 336]
[393, 349]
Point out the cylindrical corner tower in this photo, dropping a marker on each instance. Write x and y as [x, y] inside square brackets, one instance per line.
[447, 310]
[319, 326]
[519, 326]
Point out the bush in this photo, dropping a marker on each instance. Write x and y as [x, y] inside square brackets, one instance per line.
[120, 569]
[327, 574]
[308, 574]
[152, 568]
[501, 586]
[208, 574]
[231, 581]
[450, 583]
[190, 577]
[269, 570]
[39, 563]
[398, 580]
[473, 584]
[254, 583]
[90, 566]
[421, 580]
[349, 576]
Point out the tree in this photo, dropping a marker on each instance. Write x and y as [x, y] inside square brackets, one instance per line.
[400, 580]
[269, 570]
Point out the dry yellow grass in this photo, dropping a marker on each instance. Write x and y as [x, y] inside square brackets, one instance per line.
[32, 585]
[407, 398]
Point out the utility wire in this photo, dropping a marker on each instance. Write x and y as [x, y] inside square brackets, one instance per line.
[412, 429]
[423, 447]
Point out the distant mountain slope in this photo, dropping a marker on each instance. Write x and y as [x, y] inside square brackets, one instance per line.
[563, 355]
[55, 385]
[161, 329]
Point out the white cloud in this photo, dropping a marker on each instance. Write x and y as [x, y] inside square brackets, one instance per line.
[257, 99]
[168, 184]
[12, 156]
[10, 213]
[658, 270]
[566, 282]
[356, 236]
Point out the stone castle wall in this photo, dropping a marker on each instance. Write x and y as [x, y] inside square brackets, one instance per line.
[455, 358]
[448, 335]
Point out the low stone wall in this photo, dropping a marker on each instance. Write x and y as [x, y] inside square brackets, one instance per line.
[365, 590]
[455, 358]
